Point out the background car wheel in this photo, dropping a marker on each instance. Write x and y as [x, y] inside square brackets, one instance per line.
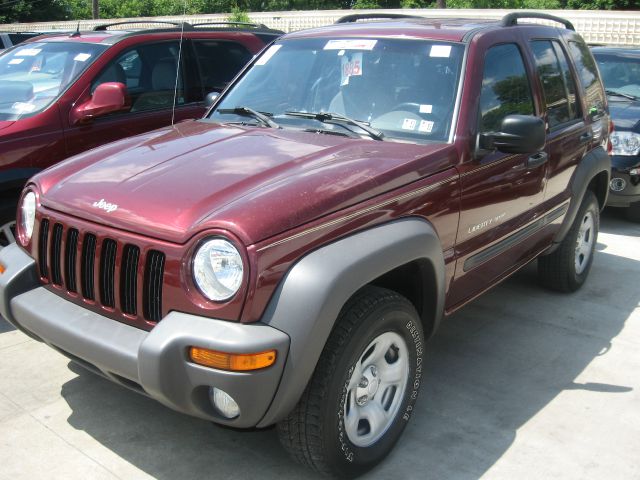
[566, 269]
[633, 212]
[363, 390]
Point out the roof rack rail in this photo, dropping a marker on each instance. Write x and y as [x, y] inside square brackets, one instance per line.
[241, 24]
[511, 19]
[104, 27]
[373, 16]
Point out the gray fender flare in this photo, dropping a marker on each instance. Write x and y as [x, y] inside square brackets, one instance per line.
[591, 165]
[309, 298]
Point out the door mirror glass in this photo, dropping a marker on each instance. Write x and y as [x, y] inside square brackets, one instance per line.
[108, 98]
[518, 134]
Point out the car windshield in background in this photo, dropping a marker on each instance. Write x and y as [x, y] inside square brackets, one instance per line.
[376, 88]
[620, 73]
[33, 75]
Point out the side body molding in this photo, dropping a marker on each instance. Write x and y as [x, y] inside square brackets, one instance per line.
[311, 295]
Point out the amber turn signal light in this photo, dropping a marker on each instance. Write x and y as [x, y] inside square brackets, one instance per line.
[236, 362]
[2, 269]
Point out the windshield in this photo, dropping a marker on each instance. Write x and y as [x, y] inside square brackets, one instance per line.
[33, 75]
[620, 73]
[404, 89]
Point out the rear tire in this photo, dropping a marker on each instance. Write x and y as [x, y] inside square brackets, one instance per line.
[363, 390]
[566, 269]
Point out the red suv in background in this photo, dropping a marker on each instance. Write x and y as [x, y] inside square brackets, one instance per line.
[66, 93]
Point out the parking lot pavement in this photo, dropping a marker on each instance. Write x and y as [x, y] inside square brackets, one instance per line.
[522, 383]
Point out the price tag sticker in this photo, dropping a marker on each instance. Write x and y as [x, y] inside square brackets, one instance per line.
[351, 67]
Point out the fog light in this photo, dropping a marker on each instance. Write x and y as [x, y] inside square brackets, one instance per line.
[617, 184]
[224, 403]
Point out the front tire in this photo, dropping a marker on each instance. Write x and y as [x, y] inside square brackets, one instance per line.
[566, 269]
[363, 390]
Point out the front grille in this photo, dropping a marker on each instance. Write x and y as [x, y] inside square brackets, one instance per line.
[66, 254]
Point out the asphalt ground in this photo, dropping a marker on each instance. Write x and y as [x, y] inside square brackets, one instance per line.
[522, 383]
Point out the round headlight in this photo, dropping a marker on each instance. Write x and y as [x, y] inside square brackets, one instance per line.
[217, 269]
[28, 215]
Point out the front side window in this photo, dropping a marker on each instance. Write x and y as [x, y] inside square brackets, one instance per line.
[557, 82]
[149, 73]
[34, 75]
[505, 87]
[405, 89]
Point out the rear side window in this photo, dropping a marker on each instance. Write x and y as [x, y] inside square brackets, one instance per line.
[588, 71]
[557, 82]
[219, 62]
[505, 87]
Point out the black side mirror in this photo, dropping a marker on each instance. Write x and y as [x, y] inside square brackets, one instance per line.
[211, 98]
[518, 134]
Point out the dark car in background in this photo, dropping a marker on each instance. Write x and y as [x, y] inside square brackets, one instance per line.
[620, 70]
[9, 39]
[65, 93]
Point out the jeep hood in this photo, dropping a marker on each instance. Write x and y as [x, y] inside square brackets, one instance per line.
[256, 182]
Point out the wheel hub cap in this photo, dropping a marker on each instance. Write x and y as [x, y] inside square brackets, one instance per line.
[376, 389]
[584, 243]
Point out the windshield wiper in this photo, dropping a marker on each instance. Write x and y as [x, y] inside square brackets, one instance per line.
[620, 94]
[250, 112]
[337, 119]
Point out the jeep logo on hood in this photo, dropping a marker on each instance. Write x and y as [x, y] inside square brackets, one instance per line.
[108, 207]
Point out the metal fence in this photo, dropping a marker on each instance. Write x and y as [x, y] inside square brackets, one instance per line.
[596, 26]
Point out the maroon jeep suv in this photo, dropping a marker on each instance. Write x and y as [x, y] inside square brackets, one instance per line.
[283, 260]
[65, 93]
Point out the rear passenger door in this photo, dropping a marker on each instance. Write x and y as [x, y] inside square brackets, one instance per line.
[567, 135]
[149, 72]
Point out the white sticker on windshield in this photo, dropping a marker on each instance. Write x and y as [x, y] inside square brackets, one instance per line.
[440, 51]
[82, 57]
[426, 126]
[16, 61]
[28, 52]
[426, 108]
[350, 44]
[22, 107]
[409, 124]
[266, 56]
[351, 67]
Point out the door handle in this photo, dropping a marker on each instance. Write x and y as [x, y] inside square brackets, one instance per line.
[537, 159]
[585, 137]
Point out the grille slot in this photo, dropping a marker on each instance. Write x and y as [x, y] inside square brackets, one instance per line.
[70, 256]
[107, 273]
[87, 268]
[154, 272]
[56, 250]
[42, 248]
[129, 279]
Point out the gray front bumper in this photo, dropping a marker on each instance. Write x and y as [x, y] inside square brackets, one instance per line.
[154, 362]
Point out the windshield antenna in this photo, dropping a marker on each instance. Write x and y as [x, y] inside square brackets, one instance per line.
[77, 32]
[175, 88]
